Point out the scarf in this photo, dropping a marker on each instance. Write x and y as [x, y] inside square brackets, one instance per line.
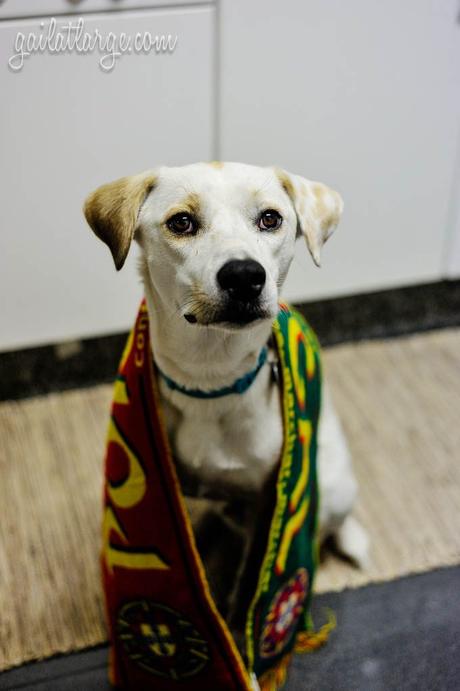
[165, 630]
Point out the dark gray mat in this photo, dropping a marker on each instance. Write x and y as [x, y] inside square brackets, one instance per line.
[398, 636]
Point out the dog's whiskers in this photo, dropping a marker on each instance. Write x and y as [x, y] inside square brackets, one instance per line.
[197, 303]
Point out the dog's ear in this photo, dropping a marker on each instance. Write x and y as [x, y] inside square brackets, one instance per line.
[113, 209]
[318, 210]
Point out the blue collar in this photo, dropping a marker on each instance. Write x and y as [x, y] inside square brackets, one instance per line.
[240, 385]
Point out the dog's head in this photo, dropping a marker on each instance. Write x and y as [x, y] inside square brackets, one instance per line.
[217, 238]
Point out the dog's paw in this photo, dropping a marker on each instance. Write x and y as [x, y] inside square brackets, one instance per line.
[353, 541]
[254, 683]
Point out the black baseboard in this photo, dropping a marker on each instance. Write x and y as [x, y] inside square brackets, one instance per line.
[381, 314]
[386, 313]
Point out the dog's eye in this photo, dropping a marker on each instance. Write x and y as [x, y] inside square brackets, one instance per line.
[182, 224]
[269, 220]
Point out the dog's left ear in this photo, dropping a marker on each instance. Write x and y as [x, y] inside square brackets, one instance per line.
[318, 210]
[113, 209]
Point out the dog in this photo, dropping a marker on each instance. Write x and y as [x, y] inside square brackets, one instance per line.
[216, 242]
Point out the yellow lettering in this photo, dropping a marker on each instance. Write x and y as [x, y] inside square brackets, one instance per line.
[133, 489]
[310, 361]
[120, 391]
[126, 351]
[117, 555]
[295, 338]
[304, 433]
[292, 528]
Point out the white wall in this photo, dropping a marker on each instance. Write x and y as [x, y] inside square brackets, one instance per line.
[363, 95]
[67, 127]
[452, 250]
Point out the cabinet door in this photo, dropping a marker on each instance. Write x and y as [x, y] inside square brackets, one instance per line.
[35, 8]
[67, 127]
[363, 95]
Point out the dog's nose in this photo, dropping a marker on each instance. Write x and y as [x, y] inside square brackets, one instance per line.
[243, 279]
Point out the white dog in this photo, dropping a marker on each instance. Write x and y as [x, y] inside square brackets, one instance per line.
[217, 241]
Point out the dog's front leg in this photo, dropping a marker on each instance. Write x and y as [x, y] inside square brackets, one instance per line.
[216, 523]
[338, 487]
[254, 518]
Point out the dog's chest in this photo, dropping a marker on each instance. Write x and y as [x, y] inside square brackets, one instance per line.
[228, 444]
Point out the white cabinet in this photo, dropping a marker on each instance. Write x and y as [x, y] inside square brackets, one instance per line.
[452, 253]
[66, 127]
[363, 95]
[35, 8]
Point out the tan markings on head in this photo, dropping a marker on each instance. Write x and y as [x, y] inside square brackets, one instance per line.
[190, 205]
[199, 304]
[216, 164]
[112, 211]
[286, 183]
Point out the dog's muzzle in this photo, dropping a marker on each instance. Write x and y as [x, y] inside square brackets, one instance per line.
[242, 282]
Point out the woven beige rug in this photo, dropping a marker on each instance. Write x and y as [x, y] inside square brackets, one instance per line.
[400, 404]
